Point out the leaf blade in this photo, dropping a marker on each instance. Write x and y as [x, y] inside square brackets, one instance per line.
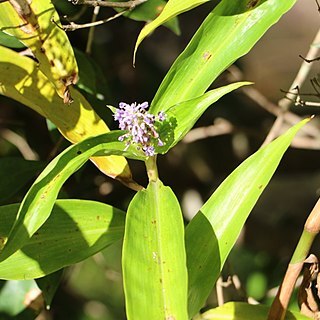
[182, 116]
[39, 200]
[171, 10]
[35, 25]
[76, 230]
[228, 33]
[154, 246]
[222, 217]
[244, 311]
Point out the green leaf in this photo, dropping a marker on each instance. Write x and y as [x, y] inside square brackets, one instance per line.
[49, 285]
[10, 41]
[244, 311]
[153, 259]
[35, 25]
[15, 173]
[149, 10]
[212, 233]
[182, 116]
[38, 202]
[76, 230]
[171, 10]
[228, 33]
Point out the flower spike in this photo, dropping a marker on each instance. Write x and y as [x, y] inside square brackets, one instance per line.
[141, 126]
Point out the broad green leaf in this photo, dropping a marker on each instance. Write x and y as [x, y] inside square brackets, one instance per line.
[38, 202]
[14, 295]
[21, 79]
[15, 173]
[244, 311]
[76, 230]
[182, 117]
[34, 23]
[228, 33]
[212, 233]
[171, 10]
[153, 258]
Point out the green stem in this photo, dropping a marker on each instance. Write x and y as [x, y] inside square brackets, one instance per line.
[152, 170]
[303, 247]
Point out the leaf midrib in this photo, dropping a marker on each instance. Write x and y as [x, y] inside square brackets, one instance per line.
[159, 246]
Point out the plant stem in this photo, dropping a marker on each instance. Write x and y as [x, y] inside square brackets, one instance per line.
[311, 229]
[91, 30]
[152, 170]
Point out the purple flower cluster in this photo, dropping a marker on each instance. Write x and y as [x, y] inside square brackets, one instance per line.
[141, 126]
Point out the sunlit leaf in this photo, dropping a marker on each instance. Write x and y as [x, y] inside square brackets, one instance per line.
[244, 311]
[76, 230]
[34, 23]
[38, 202]
[212, 233]
[154, 265]
[21, 79]
[228, 33]
[182, 117]
[171, 10]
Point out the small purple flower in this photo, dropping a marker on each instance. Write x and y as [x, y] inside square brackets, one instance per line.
[162, 116]
[149, 151]
[141, 126]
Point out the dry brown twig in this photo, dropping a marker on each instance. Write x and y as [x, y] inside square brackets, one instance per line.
[127, 6]
[220, 127]
[255, 95]
[74, 26]
[110, 4]
[300, 78]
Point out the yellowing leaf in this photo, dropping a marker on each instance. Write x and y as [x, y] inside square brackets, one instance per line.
[20, 79]
[35, 25]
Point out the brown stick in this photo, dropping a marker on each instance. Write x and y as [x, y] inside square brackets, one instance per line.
[281, 301]
[110, 4]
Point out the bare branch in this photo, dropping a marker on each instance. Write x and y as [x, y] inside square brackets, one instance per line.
[20, 143]
[300, 78]
[98, 3]
[255, 95]
[221, 127]
[309, 60]
[91, 30]
[74, 26]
